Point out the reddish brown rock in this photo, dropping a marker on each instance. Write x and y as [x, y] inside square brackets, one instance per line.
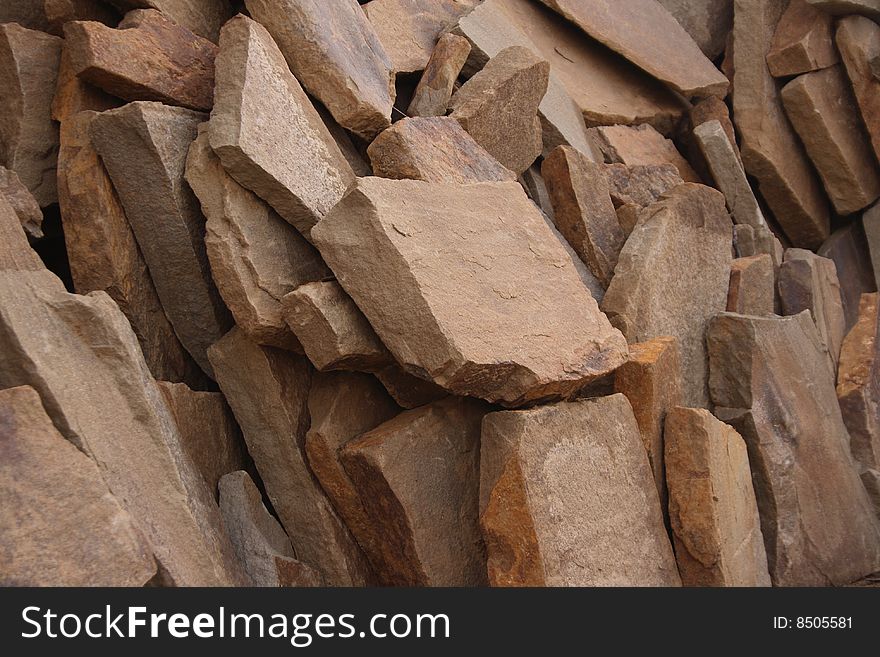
[848, 248]
[802, 41]
[715, 109]
[431, 97]
[23, 203]
[407, 390]
[72, 95]
[27, 13]
[16, 253]
[204, 17]
[752, 286]
[641, 184]
[707, 21]
[858, 40]
[60, 12]
[844, 7]
[871, 225]
[638, 146]
[750, 241]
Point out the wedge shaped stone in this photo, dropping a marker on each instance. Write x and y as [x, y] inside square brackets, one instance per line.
[431, 97]
[707, 21]
[635, 145]
[640, 184]
[802, 41]
[858, 41]
[752, 286]
[72, 95]
[16, 253]
[204, 17]
[848, 248]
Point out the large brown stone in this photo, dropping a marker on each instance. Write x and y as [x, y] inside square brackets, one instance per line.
[640, 145]
[450, 276]
[148, 58]
[260, 116]
[431, 97]
[16, 253]
[256, 257]
[146, 141]
[204, 17]
[868, 8]
[81, 355]
[419, 479]
[23, 203]
[672, 277]
[335, 53]
[268, 391]
[771, 380]
[27, 13]
[707, 21]
[61, 12]
[712, 507]
[548, 477]
[28, 137]
[72, 95]
[802, 42]
[770, 148]
[858, 40]
[752, 286]
[848, 248]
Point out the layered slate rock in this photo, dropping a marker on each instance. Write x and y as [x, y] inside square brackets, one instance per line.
[149, 141]
[770, 148]
[80, 354]
[583, 211]
[707, 21]
[547, 479]
[450, 276]
[61, 526]
[28, 138]
[752, 286]
[771, 380]
[335, 53]
[802, 42]
[268, 391]
[858, 40]
[431, 97]
[16, 253]
[672, 277]
[848, 248]
[148, 58]
[434, 149]
[23, 203]
[823, 112]
[260, 115]
[419, 479]
[204, 17]
[712, 507]
[256, 257]
[498, 107]
[640, 145]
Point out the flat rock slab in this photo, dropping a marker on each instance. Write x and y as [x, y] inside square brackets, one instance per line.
[752, 286]
[336, 54]
[450, 276]
[802, 42]
[547, 479]
[146, 141]
[419, 479]
[433, 149]
[148, 58]
[61, 526]
[772, 381]
[673, 275]
[858, 40]
[260, 115]
[204, 17]
[640, 145]
[715, 522]
[431, 97]
[707, 21]
[23, 203]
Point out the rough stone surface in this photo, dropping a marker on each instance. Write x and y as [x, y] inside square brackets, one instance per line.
[72, 95]
[146, 141]
[260, 116]
[59, 523]
[407, 390]
[871, 225]
[707, 21]
[27, 13]
[715, 109]
[848, 248]
[749, 241]
[335, 53]
[771, 380]
[640, 145]
[434, 149]
[16, 253]
[22, 201]
[548, 477]
[802, 42]
[858, 41]
[28, 138]
[449, 283]
[641, 184]
[752, 286]
[60, 12]
[204, 17]
[419, 478]
[672, 277]
[712, 507]
[868, 8]
[431, 97]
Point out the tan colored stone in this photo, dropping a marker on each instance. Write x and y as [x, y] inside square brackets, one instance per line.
[868, 8]
[23, 203]
[72, 95]
[640, 145]
[336, 54]
[451, 276]
[752, 286]
[628, 217]
[61, 526]
[536, 188]
[431, 97]
[548, 477]
[204, 17]
[715, 109]
[407, 390]
[750, 241]
[715, 523]
[858, 40]
[260, 116]
[707, 21]
[268, 391]
[16, 253]
[848, 248]
[60, 12]
[802, 41]
[641, 184]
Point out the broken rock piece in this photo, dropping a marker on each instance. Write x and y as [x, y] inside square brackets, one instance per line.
[848, 248]
[707, 21]
[858, 40]
[23, 203]
[802, 41]
[204, 17]
[640, 145]
[431, 97]
[752, 286]
[641, 184]
[407, 390]
[16, 253]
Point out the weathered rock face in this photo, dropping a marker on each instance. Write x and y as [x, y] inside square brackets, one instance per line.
[641, 184]
[848, 248]
[407, 390]
[547, 479]
[204, 17]
[148, 58]
[502, 283]
[715, 523]
[60, 524]
[843, 7]
[640, 145]
[335, 52]
[82, 357]
[498, 107]
[256, 257]
[149, 141]
[27, 13]
[22, 201]
[60, 12]
[802, 42]
[752, 286]
[672, 277]
[268, 391]
[28, 138]
[260, 115]
[434, 149]
[749, 241]
[72, 95]
[707, 21]
[770, 379]
[871, 225]
[430, 532]
[431, 97]
[858, 40]
[15, 252]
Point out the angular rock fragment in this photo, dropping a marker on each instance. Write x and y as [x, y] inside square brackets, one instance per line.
[61, 12]
[145, 141]
[771, 380]
[268, 391]
[641, 184]
[260, 116]
[59, 524]
[498, 107]
[707, 21]
[256, 257]
[23, 203]
[148, 58]
[335, 53]
[715, 109]
[16, 253]
[848, 248]
[875, 66]
[802, 42]
[430, 532]
[752, 286]
[672, 277]
[640, 145]
[434, 149]
[450, 276]
[871, 225]
[332, 330]
[431, 97]
[715, 523]
[27, 13]
[547, 479]
[843, 7]
[750, 241]
[28, 138]
[407, 390]
[204, 17]
[858, 40]
[72, 95]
